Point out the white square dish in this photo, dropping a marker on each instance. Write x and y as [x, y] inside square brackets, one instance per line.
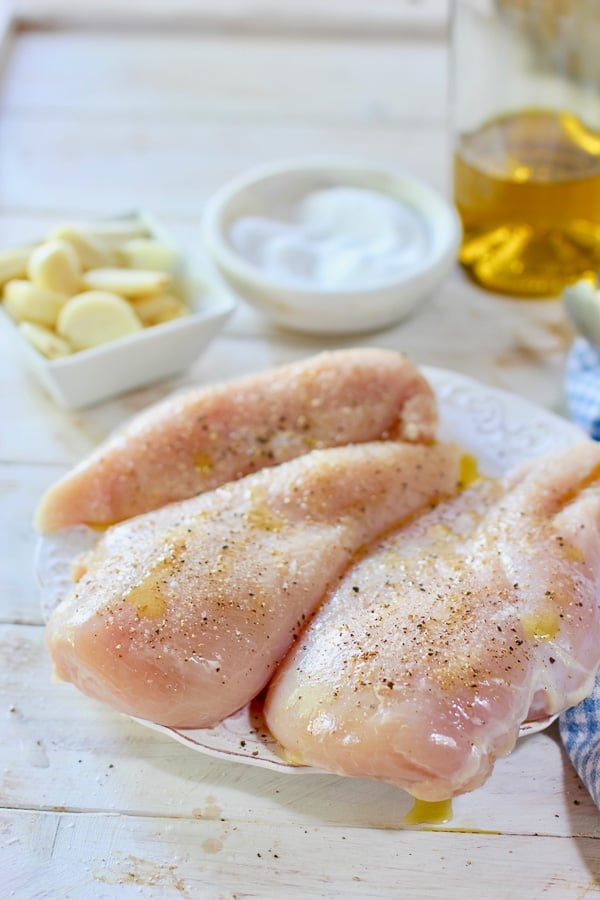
[150, 355]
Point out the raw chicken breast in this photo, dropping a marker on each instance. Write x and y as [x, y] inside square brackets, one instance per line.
[196, 441]
[450, 632]
[180, 615]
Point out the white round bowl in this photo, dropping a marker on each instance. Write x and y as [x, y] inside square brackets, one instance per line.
[268, 191]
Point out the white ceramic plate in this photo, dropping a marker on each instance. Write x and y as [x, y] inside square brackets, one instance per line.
[498, 428]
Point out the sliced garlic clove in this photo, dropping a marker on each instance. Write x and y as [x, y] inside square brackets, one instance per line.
[146, 253]
[13, 263]
[54, 265]
[27, 302]
[45, 341]
[113, 232]
[96, 317]
[127, 282]
[160, 308]
[92, 251]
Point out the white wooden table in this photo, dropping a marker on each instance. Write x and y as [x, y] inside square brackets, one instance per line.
[156, 114]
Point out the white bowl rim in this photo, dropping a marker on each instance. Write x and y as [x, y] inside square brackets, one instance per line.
[445, 223]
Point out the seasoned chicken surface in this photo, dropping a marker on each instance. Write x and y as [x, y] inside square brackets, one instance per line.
[450, 632]
[181, 615]
[196, 441]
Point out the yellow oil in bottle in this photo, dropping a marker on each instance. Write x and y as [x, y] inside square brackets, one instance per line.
[527, 187]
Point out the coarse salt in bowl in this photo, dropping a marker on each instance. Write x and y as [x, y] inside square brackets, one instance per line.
[330, 246]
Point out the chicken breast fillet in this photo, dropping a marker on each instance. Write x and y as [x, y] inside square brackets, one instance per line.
[450, 632]
[198, 440]
[181, 615]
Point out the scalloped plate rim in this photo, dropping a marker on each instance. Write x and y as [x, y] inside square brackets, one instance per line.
[490, 413]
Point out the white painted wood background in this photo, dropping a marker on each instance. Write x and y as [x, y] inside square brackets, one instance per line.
[109, 107]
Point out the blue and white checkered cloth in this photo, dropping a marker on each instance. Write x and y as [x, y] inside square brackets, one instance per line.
[580, 733]
[582, 386]
[580, 726]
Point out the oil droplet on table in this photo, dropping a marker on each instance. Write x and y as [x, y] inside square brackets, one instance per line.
[425, 812]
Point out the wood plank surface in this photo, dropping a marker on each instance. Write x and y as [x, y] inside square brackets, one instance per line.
[99, 166]
[312, 16]
[155, 109]
[239, 79]
[161, 857]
